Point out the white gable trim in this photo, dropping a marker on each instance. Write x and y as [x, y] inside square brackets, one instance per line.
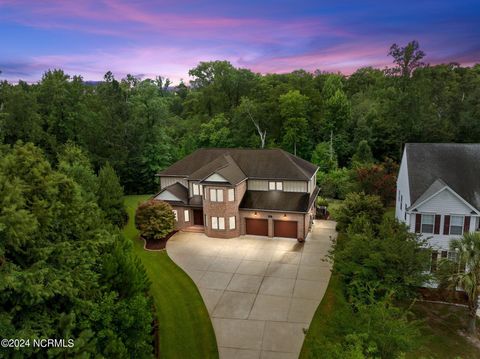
[166, 195]
[438, 192]
[215, 177]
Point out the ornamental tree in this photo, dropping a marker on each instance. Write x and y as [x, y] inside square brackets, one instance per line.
[154, 219]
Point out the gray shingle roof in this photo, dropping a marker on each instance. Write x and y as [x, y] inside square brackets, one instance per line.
[253, 163]
[457, 165]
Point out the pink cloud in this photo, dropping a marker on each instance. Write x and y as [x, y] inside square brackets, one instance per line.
[111, 17]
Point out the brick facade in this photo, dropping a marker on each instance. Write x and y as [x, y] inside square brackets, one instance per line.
[225, 209]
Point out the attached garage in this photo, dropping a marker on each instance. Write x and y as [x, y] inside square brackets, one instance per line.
[256, 227]
[287, 229]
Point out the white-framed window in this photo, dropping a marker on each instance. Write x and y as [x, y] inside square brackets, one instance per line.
[186, 215]
[231, 194]
[275, 186]
[427, 223]
[196, 189]
[216, 195]
[452, 256]
[218, 223]
[231, 222]
[175, 213]
[456, 225]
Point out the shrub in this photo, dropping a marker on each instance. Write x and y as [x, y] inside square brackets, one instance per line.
[336, 184]
[387, 260]
[357, 204]
[154, 219]
[377, 330]
[378, 180]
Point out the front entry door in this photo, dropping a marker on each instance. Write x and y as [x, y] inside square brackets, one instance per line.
[198, 217]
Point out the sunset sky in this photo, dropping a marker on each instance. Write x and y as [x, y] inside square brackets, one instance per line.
[167, 38]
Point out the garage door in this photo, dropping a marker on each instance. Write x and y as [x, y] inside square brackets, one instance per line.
[257, 227]
[285, 229]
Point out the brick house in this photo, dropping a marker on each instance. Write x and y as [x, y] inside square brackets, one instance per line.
[232, 192]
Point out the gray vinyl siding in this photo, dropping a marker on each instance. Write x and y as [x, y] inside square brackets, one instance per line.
[288, 186]
[295, 186]
[257, 185]
[312, 183]
[167, 181]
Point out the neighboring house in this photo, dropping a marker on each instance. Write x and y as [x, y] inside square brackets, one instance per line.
[438, 192]
[231, 192]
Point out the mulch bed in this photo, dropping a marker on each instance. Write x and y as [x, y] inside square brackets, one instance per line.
[443, 295]
[157, 244]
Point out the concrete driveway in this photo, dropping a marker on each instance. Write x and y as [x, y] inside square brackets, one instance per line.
[261, 293]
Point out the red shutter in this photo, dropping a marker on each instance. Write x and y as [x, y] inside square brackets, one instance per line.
[436, 229]
[466, 224]
[446, 225]
[418, 222]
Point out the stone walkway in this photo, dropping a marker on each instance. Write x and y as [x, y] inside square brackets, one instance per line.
[261, 293]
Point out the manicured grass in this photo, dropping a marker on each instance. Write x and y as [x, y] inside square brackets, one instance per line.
[185, 328]
[443, 332]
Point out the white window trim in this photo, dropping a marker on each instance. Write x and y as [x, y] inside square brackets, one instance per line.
[216, 195]
[213, 195]
[175, 213]
[214, 222]
[232, 222]
[231, 194]
[275, 185]
[186, 215]
[221, 223]
[196, 189]
[461, 226]
[218, 223]
[428, 224]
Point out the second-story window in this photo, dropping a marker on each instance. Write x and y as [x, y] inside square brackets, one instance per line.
[456, 225]
[427, 223]
[196, 189]
[275, 186]
[231, 194]
[216, 195]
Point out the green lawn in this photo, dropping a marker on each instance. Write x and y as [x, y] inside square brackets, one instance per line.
[442, 332]
[184, 325]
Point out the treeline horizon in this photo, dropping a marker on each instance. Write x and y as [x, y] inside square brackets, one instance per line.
[142, 126]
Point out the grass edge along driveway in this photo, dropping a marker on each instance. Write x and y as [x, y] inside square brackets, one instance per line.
[185, 328]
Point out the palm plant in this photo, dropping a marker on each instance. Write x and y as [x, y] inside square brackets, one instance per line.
[465, 272]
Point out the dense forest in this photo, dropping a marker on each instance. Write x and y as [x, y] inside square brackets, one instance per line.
[70, 149]
[142, 126]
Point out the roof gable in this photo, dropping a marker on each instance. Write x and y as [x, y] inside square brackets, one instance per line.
[457, 165]
[175, 192]
[215, 177]
[445, 199]
[167, 196]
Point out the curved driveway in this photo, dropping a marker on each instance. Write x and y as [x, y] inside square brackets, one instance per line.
[261, 293]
